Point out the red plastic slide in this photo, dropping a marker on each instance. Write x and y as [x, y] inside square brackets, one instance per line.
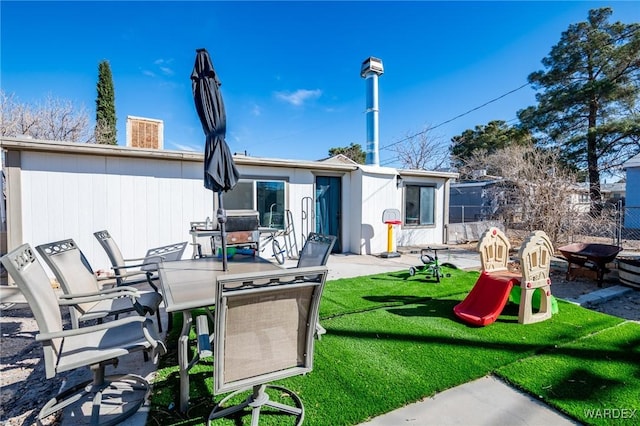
[487, 298]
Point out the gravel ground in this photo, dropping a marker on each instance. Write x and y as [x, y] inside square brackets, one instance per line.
[24, 388]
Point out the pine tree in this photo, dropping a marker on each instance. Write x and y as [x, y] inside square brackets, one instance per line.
[105, 132]
[488, 138]
[353, 152]
[590, 91]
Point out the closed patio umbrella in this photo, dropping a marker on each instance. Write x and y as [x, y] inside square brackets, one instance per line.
[220, 173]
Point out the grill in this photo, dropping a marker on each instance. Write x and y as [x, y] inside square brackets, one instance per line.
[242, 229]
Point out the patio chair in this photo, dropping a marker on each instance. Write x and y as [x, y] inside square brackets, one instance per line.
[84, 295]
[264, 325]
[315, 252]
[145, 268]
[105, 399]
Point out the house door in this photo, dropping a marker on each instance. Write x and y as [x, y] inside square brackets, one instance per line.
[328, 208]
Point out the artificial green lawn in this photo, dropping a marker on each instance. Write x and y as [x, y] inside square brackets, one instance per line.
[595, 379]
[349, 295]
[393, 339]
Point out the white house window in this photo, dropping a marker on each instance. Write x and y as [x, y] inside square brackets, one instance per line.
[419, 205]
[270, 203]
[265, 196]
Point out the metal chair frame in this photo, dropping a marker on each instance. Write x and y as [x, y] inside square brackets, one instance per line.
[87, 299]
[104, 400]
[278, 343]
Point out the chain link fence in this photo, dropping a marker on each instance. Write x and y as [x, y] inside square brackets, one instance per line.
[630, 226]
[614, 224]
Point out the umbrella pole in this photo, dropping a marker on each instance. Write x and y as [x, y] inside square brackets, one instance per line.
[222, 220]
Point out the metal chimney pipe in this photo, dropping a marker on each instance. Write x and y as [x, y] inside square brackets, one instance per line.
[370, 70]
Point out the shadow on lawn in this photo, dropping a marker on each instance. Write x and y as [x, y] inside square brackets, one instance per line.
[452, 275]
[430, 307]
[419, 277]
[397, 298]
[416, 306]
[624, 353]
[201, 399]
[583, 385]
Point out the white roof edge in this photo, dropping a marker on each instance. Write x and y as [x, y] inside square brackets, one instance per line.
[427, 173]
[27, 144]
[264, 161]
[367, 168]
[632, 162]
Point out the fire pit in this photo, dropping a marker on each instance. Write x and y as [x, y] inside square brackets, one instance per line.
[592, 256]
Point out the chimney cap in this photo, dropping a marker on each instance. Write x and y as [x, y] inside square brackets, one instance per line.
[371, 64]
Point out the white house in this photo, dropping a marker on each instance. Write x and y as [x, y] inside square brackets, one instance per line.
[146, 198]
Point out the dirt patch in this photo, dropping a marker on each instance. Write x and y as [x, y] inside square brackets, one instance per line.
[24, 388]
[625, 306]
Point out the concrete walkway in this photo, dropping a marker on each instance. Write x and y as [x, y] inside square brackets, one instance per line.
[486, 401]
[601, 295]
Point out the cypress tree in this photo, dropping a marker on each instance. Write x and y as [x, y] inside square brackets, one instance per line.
[105, 132]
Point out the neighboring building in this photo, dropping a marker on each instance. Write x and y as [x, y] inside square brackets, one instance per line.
[611, 193]
[473, 201]
[145, 133]
[614, 192]
[632, 196]
[147, 198]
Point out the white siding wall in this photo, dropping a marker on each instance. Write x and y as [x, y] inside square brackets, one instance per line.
[373, 191]
[143, 203]
[147, 202]
[347, 213]
[357, 233]
[379, 192]
[427, 235]
[301, 184]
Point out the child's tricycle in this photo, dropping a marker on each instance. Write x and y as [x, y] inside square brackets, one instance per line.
[430, 264]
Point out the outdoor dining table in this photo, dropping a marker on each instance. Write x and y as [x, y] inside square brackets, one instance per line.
[191, 284]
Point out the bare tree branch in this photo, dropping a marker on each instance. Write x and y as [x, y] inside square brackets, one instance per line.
[52, 119]
[423, 151]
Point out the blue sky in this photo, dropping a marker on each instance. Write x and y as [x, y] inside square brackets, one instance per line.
[290, 71]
